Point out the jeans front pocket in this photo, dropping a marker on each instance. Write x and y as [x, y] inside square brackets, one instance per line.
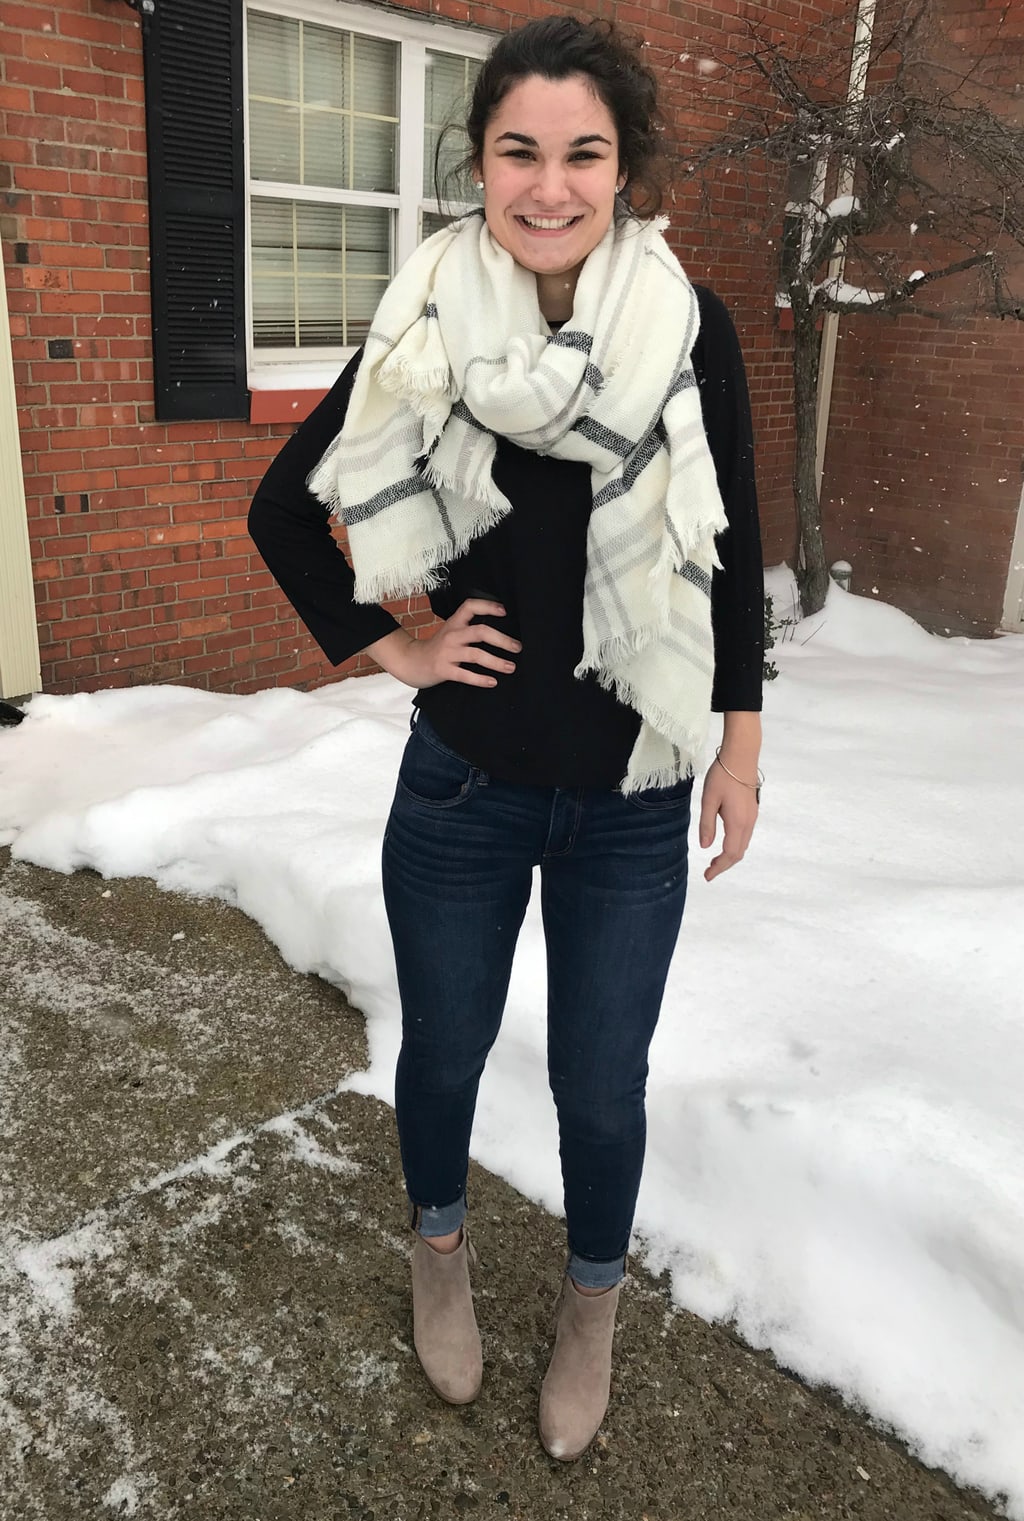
[657, 799]
[435, 777]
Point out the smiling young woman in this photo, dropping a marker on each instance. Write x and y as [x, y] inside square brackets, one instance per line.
[548, 431]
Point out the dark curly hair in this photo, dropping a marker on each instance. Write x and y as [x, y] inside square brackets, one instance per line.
[558, 47]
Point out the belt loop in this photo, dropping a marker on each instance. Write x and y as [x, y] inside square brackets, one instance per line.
[415, 1215]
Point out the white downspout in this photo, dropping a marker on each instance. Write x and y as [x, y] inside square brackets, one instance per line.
[847, 171]
[19, 638]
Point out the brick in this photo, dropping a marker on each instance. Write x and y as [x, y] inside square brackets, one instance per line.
[13, 98]
[85, 303]
[120, 541]
[71, 256]
[144, 475]
[206, 471]
[62, 155]
[116, 61]
[230, 640]
[171, 535]
[25, 71]
[61, 105]
[191, 511]
[46, 279]
[94, 28]
[52, 49]
[194, 626]
[225, 529]
[100, 135]
[93, 82]
[67, 674]
[93, 644]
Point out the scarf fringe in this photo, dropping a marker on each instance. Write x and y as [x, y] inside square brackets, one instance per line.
[495, 502]
[396, 582]
[401, 376]
[426, 571]
[665, 776]
[323, 481]
[615, 651]
[428, 393]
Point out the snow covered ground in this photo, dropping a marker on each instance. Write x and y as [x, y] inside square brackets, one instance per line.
[836, 1111]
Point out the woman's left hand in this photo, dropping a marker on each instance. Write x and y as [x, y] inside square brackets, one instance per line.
[727, 797]
[737, 807]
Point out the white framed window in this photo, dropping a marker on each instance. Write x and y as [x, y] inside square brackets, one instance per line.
[345, 105]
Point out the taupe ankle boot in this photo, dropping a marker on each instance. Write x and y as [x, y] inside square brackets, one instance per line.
[574, 1394]
[444, 1328]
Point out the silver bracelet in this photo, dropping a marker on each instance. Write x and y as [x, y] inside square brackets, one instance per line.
[755, 787]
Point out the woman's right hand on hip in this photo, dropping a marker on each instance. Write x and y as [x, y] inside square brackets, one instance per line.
[443, 655]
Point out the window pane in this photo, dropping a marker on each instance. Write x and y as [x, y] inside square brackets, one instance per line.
[273, 57]
[322, 105]
[274, 141]
[272, 232]
[373, 159]
[274, 301]
[318, 272]
[320, 313]
[326, 150]
[367, 241]
[363, 296]
[375, 66]
[326, 67]
[450, 81]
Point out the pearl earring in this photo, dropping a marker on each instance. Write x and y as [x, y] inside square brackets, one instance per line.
[479, 184]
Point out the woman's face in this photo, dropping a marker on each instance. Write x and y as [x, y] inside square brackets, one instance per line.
[550, 169]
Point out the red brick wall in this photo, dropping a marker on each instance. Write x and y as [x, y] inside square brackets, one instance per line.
[143, 567]
[924, 465]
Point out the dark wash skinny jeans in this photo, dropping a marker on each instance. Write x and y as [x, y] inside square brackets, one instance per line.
[459, 853]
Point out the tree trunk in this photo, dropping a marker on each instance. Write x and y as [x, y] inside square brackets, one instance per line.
[812, 573]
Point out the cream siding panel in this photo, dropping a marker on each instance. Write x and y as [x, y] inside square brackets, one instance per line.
[19, 639]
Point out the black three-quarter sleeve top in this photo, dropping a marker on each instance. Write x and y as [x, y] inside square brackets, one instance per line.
[540, 725]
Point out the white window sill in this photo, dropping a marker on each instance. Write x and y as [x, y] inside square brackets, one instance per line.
[318, 376]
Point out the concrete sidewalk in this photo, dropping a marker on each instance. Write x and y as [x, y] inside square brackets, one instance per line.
[203, 1274]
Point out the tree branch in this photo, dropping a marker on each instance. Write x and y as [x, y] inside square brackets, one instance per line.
[897, 295]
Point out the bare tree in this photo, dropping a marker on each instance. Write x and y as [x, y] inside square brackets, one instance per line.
[890, 174]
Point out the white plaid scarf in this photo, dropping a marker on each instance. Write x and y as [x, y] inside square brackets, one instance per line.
[458, 353]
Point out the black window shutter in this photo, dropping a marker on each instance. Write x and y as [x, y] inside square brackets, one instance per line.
[194, 124]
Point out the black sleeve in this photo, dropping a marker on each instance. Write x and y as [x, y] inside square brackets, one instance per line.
[292, 532]
[737, 590]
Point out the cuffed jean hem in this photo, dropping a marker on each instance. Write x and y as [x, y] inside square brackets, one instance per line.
[437, 1220]
[596, 1275]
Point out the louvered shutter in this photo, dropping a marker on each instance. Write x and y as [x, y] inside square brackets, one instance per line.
[194, 121]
